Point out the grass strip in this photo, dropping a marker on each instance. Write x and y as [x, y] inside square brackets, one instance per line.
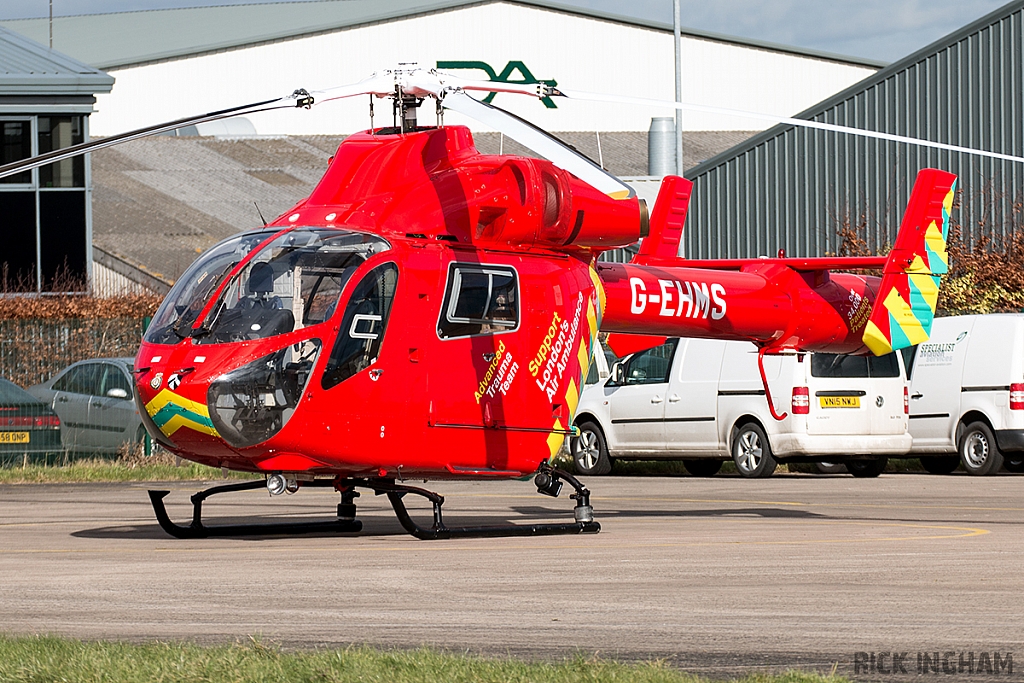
[48, 658]
[87, 471]
[126, 465]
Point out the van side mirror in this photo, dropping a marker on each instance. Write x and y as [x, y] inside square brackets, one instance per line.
[618, 375]
[117, 392]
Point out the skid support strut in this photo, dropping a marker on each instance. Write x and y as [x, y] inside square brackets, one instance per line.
[198, 530]
[584, 513]
[548, 481]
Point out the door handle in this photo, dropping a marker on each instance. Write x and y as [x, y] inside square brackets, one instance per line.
[62, 399]
[918, 395]
[656, 399]
[674, 398]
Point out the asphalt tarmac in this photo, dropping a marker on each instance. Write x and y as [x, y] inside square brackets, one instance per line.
[719, 576]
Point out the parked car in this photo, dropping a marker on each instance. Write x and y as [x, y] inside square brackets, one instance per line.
[967, 394]
[95, 402]
[27, 425]
[702, 401]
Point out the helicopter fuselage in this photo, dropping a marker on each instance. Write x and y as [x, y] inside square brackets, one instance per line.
[430, 401]
[420, 327]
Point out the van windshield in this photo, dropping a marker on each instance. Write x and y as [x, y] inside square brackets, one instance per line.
[838, 365]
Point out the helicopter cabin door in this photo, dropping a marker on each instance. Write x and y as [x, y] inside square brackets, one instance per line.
[362, 374]
[479, 396]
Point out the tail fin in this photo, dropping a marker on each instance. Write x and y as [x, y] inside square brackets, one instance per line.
[667, 219]
[666, 231]
[903, 312]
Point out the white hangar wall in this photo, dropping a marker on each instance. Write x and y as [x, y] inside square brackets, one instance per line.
[579, 52]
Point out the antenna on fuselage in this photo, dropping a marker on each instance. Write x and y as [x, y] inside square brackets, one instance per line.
[261, 214]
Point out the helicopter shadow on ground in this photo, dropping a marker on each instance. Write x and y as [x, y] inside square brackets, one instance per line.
[377, 525]
[374, 525]
[151, 530]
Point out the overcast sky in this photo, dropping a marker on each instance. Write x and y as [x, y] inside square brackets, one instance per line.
[875, 29]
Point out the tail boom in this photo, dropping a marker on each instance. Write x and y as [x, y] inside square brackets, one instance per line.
[770, 304]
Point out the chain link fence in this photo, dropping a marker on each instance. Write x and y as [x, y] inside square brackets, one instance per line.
[34, 350]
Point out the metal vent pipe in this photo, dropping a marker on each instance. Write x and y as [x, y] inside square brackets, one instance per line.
[661, 146]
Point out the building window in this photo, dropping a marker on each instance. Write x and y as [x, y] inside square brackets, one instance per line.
[17, 145]
[58, 132]
[45, 210]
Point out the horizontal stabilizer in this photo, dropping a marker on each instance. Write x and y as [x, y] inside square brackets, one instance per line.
[624, 344]
[902, 314]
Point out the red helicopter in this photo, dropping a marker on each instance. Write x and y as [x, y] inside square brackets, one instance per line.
[429, 312]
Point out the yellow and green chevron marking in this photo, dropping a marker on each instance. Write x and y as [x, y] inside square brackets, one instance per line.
[909, 298]
[170, 412]
[586, 352]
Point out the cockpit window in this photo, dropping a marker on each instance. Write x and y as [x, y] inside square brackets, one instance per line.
[174, 319]
[293, 282]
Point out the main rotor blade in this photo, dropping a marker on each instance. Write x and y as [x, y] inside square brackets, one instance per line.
[540, 141]
[803, 123]
[300, 98]
[453, 82]
[381, 85]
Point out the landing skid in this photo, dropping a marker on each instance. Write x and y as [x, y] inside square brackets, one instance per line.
[548, 481]
[198, 530]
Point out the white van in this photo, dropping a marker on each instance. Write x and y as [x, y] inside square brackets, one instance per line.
[702, 401]
[967, 394]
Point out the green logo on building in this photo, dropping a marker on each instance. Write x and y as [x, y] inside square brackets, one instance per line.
[505, 76]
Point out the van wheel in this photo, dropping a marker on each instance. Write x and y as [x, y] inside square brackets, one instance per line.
[940, 464]
[866, 469]
[978, 451]
[702, 468]
[752, 453]
[589, 452]
[1015, 465]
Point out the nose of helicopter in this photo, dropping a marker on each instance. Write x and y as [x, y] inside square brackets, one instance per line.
[172, 400]
[205, 396]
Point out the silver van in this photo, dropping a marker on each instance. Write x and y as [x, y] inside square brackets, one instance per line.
[702, 401]
[967, 394]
